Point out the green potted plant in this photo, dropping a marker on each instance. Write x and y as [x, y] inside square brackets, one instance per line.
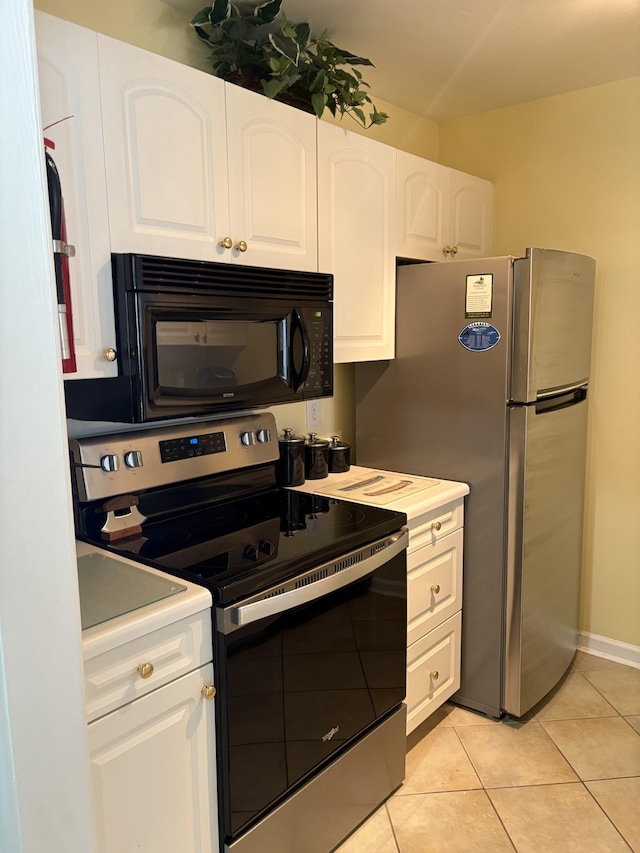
[256, 46]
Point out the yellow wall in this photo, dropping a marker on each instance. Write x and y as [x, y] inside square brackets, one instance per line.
[567, 176]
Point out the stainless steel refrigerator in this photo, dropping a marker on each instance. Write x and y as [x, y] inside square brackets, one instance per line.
[489, 386]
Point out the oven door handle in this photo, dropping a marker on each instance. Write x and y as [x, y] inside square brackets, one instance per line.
[314, 584]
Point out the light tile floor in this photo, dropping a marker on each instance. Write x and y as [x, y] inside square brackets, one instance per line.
[564, 779]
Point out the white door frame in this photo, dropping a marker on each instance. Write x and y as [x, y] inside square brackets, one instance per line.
[44, 776]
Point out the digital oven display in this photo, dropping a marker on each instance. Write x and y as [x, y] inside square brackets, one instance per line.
[195, 445]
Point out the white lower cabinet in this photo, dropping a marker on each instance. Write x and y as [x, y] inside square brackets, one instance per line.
[153, 771]
[434, 610]
[433, 670]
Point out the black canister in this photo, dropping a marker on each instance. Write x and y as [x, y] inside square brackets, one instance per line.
[291, 463]
[339, 456]
[316, 457]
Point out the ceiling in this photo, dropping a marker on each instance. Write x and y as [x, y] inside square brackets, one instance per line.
[443, 59]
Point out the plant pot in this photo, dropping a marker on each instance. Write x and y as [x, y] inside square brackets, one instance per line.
[254, 84]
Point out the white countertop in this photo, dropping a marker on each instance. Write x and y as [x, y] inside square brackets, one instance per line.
[149, 617]
[422, 494]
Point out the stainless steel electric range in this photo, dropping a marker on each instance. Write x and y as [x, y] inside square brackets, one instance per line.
[309, 619]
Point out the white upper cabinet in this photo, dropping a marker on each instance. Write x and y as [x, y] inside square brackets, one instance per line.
[165, 150]
[69, 86]
[422, 207]
[470, 217]
[200, 169]
[443, 214]
[272, 182]
[357, 227]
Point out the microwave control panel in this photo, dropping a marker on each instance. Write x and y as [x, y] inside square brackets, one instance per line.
[320, 377]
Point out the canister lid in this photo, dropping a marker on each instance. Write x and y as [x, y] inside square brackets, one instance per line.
[288, 438]
[336, 444]
[314, 441]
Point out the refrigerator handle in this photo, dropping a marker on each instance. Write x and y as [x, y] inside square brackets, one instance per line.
[561, 401]
[566, 389]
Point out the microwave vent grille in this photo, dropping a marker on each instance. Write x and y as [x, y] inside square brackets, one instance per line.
[149, 273]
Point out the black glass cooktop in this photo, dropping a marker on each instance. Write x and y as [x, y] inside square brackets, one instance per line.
[236, 548]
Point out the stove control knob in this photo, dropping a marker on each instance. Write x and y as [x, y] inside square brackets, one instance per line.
[247, 438]
[250, 553]
[133, 459]
[263, 435]
[109, 463]
[267, 548]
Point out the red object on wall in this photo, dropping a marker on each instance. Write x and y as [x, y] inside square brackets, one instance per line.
[61, 252]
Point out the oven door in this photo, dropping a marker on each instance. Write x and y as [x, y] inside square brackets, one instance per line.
[302, 673]
[194, 357]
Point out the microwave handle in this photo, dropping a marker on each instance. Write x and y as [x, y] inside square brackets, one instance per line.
[299, 374]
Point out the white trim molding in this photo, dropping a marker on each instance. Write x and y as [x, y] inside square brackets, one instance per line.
[604, 647]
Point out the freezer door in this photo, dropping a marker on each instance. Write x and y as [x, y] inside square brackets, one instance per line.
[546, 496]
[553, 311]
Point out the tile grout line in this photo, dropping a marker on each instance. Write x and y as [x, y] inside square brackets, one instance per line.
[595, 800]
[578, 780]
[393, 829]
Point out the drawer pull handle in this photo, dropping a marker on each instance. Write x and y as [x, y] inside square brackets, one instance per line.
[145, 670]
[435, 588]
[226, 243]
[436, 525]
[434, 674]
[208, 691]
[241, 246]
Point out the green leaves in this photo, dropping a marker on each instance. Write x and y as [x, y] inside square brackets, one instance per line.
[255, 45]
[268, 11]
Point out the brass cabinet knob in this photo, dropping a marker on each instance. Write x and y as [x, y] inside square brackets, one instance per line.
[454, 250]
[447, 250]
[145, 670]
[436, 525]
[435, 588]
[109, 354]
[208, 691]
[226, 243]
[434, 674]
[241, 246]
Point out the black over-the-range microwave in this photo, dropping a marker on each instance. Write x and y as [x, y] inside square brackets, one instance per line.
[198, 338]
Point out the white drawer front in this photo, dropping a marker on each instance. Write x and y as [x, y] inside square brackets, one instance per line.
[433, 525]
[434, 585]
[433, 670]
[112, 679]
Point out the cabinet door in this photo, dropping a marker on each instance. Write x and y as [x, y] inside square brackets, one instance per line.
[357, 216]
[272, 182]
[470, 225]
[153, 771]
[422, 208]
[165, 149]
[69, 86]
[434, 578]
[433, 670]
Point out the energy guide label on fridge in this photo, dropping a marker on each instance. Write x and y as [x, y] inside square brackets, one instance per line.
[478, 296]
[479, 337]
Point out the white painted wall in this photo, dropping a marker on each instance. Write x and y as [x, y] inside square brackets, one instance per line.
[44, 780]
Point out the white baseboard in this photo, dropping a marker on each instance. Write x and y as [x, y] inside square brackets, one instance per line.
[614, 650]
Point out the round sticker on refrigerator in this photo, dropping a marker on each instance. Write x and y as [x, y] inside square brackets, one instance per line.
[478, 337]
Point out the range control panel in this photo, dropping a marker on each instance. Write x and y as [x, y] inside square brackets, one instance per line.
[120, 463]
[173, 449]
